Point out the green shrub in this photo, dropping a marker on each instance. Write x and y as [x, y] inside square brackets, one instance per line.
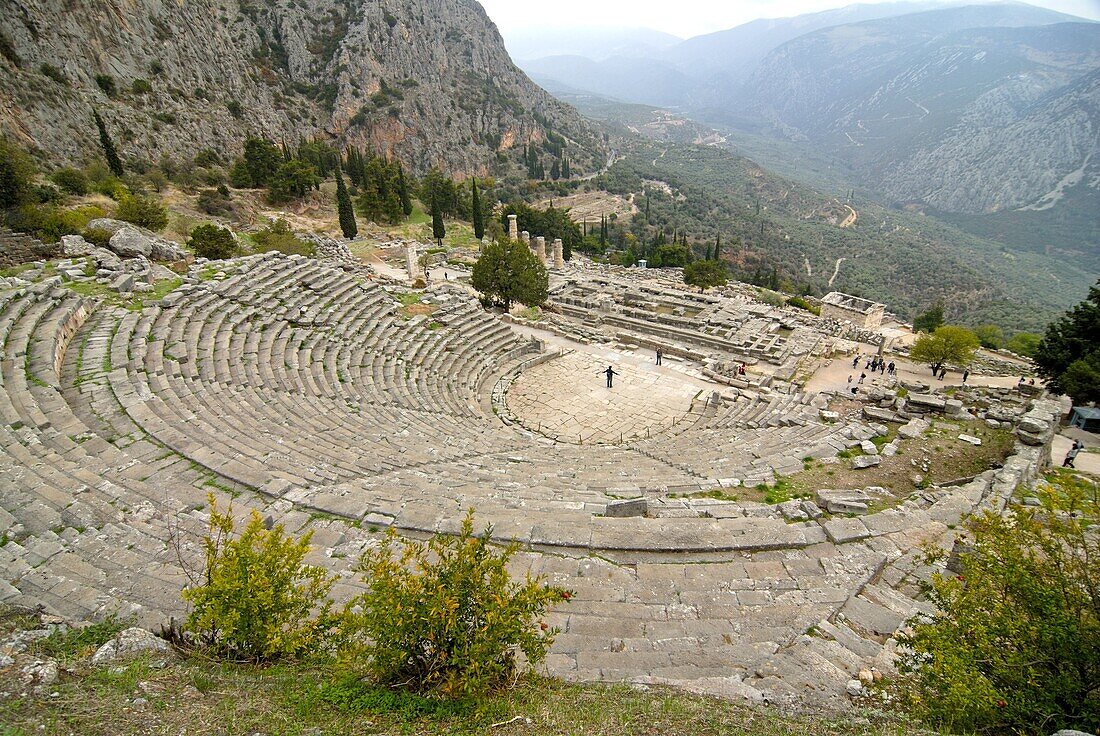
[71, 180]
[49, 222]
[797, 301]
[97, 236]
[256, 599]
[1014, 645]
[145, 212]
[46, 193]
[213, 242]
[17, 172]
[279, 237]
[54, 73]
[213, 202]
[141, 87]
[106, 83]
[445, 617]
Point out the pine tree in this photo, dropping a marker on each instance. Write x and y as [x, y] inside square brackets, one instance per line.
[344, 209]
[354, 167]
[403, 191]
[371, 194]
[114, 163]
[718, 248]
[475, 211]
[439, 230]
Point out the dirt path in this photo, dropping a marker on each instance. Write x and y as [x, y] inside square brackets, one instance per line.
[836, 270]
[850, 219]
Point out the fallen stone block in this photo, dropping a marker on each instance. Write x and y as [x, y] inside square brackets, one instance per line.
[971, 439]
[627, 508]
[925, 402]
[866, 461]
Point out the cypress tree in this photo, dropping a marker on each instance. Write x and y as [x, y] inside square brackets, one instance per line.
[439, 231]
[344, 209]
[475, 211]
[708, 252]
[114, 163]
[647, 208]
[717, 248]
[403, 190]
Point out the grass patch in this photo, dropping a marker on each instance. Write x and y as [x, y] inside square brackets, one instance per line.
[198, 696]
[71, 644]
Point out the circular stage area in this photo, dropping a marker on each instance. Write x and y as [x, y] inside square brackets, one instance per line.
[567, 399]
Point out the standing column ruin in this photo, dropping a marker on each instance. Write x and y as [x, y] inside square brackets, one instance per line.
[559, 254]
[513, 228]
[540, 248]
[410, 261]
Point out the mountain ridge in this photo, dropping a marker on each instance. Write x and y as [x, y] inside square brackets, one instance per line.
[426, 81]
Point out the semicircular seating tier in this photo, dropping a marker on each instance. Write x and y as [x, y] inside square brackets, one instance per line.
[313, 395]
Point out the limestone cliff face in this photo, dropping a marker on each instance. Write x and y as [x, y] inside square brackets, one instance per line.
[428, 81]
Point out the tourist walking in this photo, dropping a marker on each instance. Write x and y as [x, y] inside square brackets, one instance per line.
[892, 368]
[862, 376]
[610, 373]
[659, 354]
[1072, 454]
[943, 373]
[855, 361]
[966, 375]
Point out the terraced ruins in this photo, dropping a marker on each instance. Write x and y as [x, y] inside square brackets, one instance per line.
[309, 390]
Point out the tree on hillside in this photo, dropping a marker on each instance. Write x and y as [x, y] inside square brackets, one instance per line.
[292, 180]
[114, 163]
[948, 344]
[718, 248]
[262, 159]
[403, 191]
[1024, 343]
[16, 175]
[990, 336]
[705, 274]
[508, 272]
[1069, 355]
[344, 209]
[475, 211]
[439, 230]
[930, 320]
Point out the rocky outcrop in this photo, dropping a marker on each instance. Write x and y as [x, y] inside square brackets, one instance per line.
[131, 241]
[428, 81]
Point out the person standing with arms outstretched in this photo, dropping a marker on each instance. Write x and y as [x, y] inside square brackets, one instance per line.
[1072, 455]
[610, 373]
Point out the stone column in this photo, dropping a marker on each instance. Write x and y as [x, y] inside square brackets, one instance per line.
[513, 227]
[540, 248]
[525, 238]
[559, 254]
[410, 261]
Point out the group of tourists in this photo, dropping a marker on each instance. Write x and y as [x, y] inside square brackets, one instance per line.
[875, 364]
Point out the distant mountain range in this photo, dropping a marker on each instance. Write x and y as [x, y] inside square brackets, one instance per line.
[594, 43]
[959, 109]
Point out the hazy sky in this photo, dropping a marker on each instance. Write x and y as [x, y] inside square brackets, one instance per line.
[684, 18]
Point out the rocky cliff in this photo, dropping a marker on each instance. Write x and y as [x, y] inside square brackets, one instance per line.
[428, 81]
